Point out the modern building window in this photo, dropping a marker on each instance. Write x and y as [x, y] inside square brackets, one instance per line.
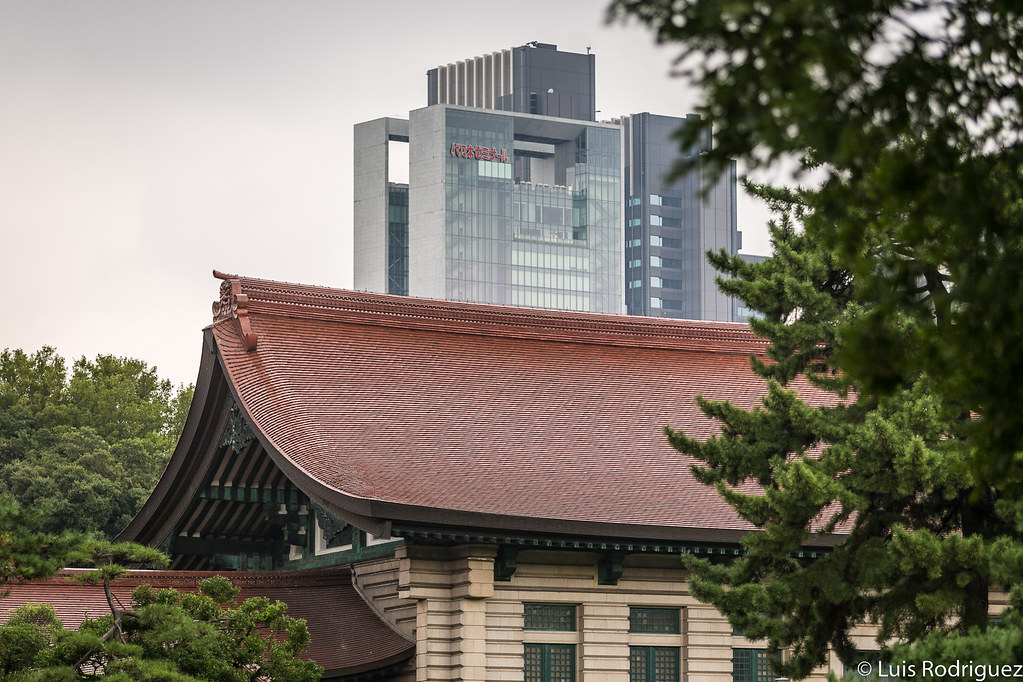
[658, 240]
[635, 284]
[549, 662]
[671, 202]
[653, 664]
[655, 282]
[548, 617]
[397, 239]
[655, 302]
[751, 665]
[655, 620]
[635, 263]
[655, 261]
[665, 222]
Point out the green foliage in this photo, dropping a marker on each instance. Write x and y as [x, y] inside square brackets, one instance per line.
[898, 291]
[26, 553]
[923, 540]
[910, 112]
[87, 448]
[165, 635]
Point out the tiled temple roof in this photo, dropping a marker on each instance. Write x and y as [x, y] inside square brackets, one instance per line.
[415, 410]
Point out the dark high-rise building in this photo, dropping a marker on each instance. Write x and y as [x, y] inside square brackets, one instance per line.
[535, 78]
[669, 227]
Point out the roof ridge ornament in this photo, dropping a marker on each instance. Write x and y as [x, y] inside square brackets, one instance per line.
[234, 304]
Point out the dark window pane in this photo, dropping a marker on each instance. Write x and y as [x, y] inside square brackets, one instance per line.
[549, 617]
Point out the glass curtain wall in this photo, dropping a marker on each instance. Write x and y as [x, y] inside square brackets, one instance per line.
[479, 188]
[397, 239]
[532, 244]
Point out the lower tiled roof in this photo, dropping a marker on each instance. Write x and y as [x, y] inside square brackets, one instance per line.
[348, 637]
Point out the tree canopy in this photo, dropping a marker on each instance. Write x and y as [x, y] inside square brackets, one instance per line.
[85, 446]
[923, 542]
[896, 287]
[911, 112]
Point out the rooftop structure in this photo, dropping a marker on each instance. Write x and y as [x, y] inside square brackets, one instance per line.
[535, 78]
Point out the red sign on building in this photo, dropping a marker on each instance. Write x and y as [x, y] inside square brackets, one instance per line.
[468, 151]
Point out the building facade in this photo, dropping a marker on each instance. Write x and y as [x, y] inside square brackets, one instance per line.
[669, 227]
[513, 209]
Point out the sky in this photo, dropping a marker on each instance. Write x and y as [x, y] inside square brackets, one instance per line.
[144, 144]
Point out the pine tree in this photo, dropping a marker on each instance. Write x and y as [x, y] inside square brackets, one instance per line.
[920, 541]
[910, 111]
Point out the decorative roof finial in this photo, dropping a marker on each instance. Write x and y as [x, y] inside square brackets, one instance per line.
[234, 304]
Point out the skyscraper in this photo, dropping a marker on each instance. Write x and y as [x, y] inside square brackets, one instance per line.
[669, 227]
[461, 251]
[501, 208]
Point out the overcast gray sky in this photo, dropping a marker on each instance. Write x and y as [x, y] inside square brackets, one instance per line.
[143, 144]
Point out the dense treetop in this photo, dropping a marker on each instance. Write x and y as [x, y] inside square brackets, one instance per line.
[84, 446]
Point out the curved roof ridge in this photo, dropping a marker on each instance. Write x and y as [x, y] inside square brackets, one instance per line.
[366, 308]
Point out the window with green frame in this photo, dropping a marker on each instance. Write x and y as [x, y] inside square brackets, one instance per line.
[548, 617]
[549, 662]
[653, 664]
[751, 665]
[654, 620]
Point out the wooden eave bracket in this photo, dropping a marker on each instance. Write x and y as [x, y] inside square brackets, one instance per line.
[505, 563]
[610, 566]
[234, 304]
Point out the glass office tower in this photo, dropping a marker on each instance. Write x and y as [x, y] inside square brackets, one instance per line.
[530, 222]
[503, 208]
[670, 226]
